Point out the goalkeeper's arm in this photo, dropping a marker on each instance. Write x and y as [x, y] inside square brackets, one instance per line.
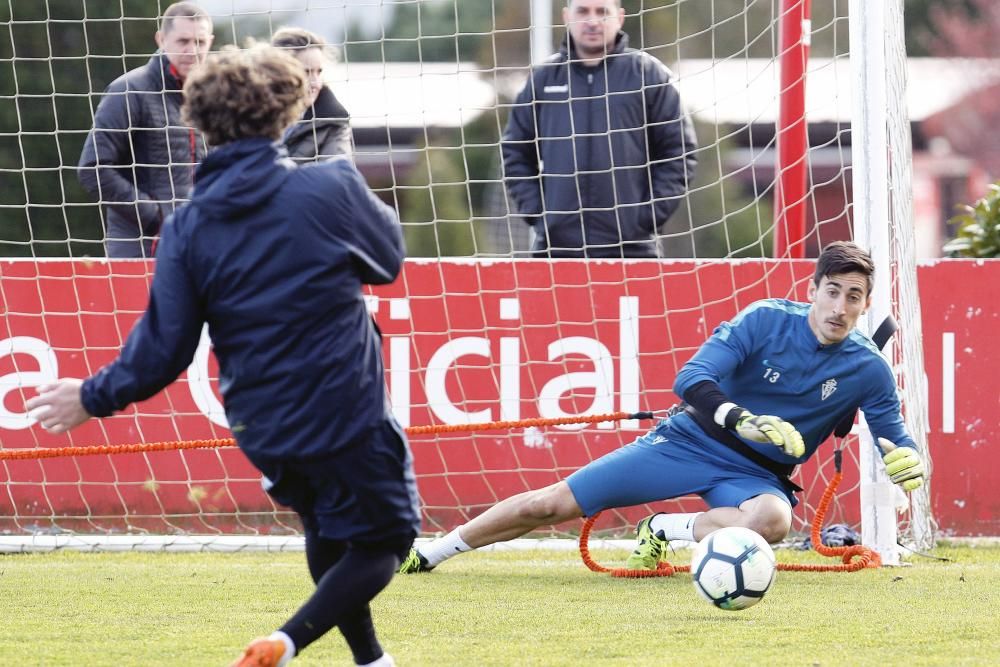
[708, 399]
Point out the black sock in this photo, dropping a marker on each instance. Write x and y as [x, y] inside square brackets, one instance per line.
[349, 577]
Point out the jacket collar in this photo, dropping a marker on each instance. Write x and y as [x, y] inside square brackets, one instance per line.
[325, 106]
[165, 72]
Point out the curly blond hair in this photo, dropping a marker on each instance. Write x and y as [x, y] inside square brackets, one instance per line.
[256, 92]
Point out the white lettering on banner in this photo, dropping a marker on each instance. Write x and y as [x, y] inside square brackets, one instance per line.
[510, 379]
[399, 365]
[200, 385]
[437, 371]
[601, 380]
[399, 378]
[510, 365]
[48, 371]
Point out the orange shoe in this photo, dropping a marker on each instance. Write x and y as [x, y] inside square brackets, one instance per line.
[262, 652]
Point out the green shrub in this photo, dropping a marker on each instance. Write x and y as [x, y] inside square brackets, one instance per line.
[978, 227]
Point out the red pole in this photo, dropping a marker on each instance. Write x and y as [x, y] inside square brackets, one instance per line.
[792, 139]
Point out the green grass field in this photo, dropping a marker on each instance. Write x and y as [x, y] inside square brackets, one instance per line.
[511, 608]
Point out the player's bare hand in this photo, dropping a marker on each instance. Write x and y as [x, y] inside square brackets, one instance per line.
[58, 407]
[771, 430]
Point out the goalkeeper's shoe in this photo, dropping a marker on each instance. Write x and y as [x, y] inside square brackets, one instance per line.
[262, 652]
[650, 549]
[415, 562]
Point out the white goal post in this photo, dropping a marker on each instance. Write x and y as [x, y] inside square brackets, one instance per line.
[881, 176]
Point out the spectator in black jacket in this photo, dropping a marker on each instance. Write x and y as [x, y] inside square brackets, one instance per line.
[323, 132]
[140, 157]
[273, 256]
[597, 151]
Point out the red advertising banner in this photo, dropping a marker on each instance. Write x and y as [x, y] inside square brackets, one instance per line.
[469, 342]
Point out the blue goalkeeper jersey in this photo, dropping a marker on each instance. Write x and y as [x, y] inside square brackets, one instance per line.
[768, 360]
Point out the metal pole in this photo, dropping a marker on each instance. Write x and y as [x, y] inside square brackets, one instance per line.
[541, 30]
[791, 132]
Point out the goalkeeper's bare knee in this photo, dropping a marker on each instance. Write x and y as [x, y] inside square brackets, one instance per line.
[552, 504]
[769, 528]
[768, 516]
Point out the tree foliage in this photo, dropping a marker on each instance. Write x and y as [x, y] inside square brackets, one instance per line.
[978, 228]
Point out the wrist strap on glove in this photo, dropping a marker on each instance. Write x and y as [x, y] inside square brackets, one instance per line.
[728, 415]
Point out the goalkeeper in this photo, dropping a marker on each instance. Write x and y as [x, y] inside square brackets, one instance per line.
[273, 258]
[759, 397]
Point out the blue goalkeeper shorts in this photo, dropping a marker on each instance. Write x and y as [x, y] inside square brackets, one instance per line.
[674, 459]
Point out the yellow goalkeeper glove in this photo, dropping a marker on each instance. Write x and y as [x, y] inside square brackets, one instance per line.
[903, 465]
[770, 430]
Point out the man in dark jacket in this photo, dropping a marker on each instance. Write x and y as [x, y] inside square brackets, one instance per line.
[140, 157]
[273, 257]
[597, 152]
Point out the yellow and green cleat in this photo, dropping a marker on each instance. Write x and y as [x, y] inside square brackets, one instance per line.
[415, 562]
[650, 549]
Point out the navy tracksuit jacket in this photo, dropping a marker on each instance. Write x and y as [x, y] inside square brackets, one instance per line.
[273, 257]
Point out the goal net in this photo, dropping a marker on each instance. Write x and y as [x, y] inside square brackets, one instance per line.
[476, 330]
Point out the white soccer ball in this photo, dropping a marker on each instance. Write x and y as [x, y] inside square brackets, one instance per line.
[732, 568]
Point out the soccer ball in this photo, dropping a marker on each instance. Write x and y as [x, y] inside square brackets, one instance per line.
[732, 568]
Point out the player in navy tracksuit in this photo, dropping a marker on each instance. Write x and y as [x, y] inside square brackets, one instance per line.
[802, 367]
[273, 258]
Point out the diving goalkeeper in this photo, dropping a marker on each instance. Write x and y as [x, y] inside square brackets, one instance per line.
[273, 257]
[760, 395]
